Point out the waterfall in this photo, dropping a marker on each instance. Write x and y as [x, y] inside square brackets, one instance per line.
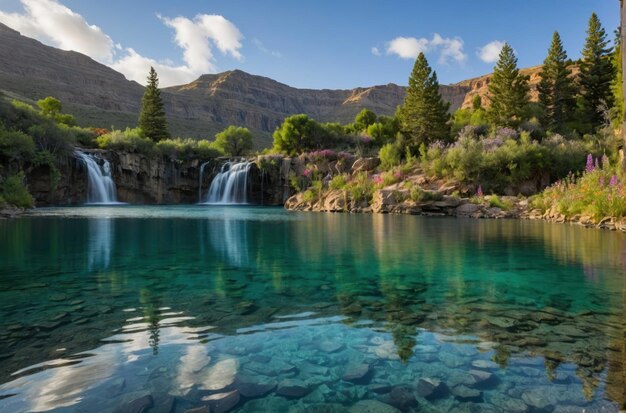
[100, 185]
[230, 185]
[201, 180]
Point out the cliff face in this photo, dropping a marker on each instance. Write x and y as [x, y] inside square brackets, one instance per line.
[99, 96]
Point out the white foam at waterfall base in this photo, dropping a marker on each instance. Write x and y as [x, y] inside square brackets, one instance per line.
[100, 185]
[230, 185]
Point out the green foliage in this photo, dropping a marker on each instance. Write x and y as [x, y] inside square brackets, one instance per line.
[15, 145]
[338, 182]
[299, 134]
[496, 202]
[390, 156]
[152, 119]
[14, 191]
[52, 107]
[596, 74]
[384, 130]
[45, 158]
[477, 102]
[508, 90]
[556, 88]
[597, 193]
[182, 149]
[129, 140]
[360, 188]
[418, 194]
[234, 141]
[424, 115]
[501, 159]
[364, 119]
[616, 87]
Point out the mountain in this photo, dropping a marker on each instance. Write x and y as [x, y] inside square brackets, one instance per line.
[99, 96]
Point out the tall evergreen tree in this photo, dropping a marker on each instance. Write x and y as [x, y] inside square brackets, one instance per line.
[508, 90]
[556, 87]
[424, 114]
[152, 120]
[596, 74]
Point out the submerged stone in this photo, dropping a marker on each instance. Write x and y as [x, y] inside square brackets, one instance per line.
[222, 402]
[292, 388]
[466, 394]
[372, 406]
[402, 398]
[357, 373]
[431, 388]
[252, 390]
[139, 405]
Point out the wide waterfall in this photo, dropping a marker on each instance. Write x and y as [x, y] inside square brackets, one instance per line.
[100, 185]
[230, 185]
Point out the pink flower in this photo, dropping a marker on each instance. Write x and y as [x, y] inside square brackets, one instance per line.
[613, 181]
[589, 167]
[479, 191]
[307, 173]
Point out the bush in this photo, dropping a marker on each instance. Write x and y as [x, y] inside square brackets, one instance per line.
[338, 182]
[598, 193]
[180, 148]
[14, 191]
[234, 141]
[130, 140]
[16, 145]
[390, 156]
[360, 188]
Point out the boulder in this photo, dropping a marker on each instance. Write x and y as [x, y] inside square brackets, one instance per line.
[357, 373]
[372, 406]
[222, 402]
[293, 388]
[431, 388]
[467, 209]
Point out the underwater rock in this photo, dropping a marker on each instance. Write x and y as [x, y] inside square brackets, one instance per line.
[431, 388]
[357, 373]
[251, 390]
[115, 387]
[538, 398]
[140, 405]
[483, 379]
[328, 346]
[222, 402]
[220, 376]
[508, 404]
[402, 398]
[292, 388]
[466, 394]
[372, 406]
[485, 364]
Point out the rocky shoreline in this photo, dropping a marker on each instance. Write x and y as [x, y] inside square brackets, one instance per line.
[393, 201]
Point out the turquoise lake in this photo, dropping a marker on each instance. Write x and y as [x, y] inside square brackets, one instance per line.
[249, 309]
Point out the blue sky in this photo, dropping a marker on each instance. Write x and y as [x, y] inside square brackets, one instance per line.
[307, 44]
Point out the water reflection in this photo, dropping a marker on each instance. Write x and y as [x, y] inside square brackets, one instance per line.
[101, 233]
[539, 306]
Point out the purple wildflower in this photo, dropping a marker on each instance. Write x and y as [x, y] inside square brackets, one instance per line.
[479, 191]
[398, 175]
[613, 181]
[589, 167]
[307, 173]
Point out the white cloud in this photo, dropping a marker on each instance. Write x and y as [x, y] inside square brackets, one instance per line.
[407, 47]
[54, 24]
[449, 48]
[265, 50]
[58, 26]
[490, 52]
[375, 51]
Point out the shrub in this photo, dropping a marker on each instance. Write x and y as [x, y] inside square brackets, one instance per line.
[234, 141]
[360, 188]
[179, 148]
[496, 202]
[389, 155]
[14, 191]
[16, 145]
[130, 140]
[338, 182]
[597, 192]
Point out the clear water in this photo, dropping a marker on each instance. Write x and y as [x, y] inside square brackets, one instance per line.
[106, 309]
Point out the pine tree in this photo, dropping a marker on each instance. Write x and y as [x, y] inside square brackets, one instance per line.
[152, 120]
[556, 88]
[508, 90]
[424, 114]
[596, 74]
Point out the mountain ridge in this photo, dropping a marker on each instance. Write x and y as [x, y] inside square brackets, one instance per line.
[100, 96]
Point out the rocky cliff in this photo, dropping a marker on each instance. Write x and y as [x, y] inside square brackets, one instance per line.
[99, 96]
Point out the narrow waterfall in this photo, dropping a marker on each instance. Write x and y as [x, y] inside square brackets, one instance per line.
[230, 185]
[100, 185]
[201, 180]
